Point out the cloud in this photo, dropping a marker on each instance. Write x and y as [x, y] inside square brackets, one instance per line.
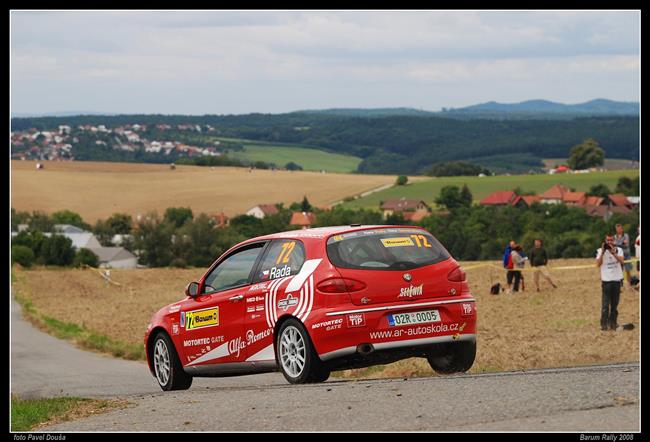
[325, 55]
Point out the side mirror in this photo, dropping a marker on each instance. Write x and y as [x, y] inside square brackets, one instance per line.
[192, 289]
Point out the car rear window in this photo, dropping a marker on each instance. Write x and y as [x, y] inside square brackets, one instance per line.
[385, 249]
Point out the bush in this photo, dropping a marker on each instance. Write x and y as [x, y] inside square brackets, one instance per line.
[85, 257]
[22, 255]
[401, 180]
[57, 250]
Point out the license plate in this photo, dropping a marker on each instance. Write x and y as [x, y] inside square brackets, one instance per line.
[411, 318]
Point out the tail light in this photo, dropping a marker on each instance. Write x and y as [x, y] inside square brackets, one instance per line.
[340, 285]
[456, 275]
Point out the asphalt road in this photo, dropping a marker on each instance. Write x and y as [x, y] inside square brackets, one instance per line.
[600, 399]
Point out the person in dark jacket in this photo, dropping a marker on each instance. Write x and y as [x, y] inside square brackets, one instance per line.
[538, 260]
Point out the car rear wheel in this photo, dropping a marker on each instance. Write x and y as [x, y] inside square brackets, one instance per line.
[167, 366]
[455, 357]
[296, 355]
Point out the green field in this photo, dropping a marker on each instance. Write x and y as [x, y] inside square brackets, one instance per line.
[428, 190]
[309, 159]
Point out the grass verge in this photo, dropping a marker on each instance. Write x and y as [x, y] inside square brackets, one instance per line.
[33, 414]
[79, 334]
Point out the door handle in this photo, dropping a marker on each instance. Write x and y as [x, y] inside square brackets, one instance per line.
[236, 298]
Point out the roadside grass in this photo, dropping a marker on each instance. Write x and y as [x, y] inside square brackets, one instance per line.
[78, 334]
[33, 414]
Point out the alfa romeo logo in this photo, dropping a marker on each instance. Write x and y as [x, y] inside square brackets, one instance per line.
[407, 277]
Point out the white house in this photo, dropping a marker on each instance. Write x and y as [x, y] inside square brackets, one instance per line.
[262, 210]
[115, 257]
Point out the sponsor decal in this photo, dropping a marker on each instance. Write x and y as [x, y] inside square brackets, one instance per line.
[182, 319]
[260, 286]
[255, 316]
[203, 341]
[356, 320]
[334, 324]
[338, 238]
[265, 274]
[174, 308]
[452, 292]
[174, 329]
[255, 299]
[416, 331]
[202, 318]
[235, 346]
[397, 242]
[411, 291]
[250, 309]
[287, 302]
[259, 308]
[467, 310]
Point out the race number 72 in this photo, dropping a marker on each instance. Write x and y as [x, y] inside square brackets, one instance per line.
[287, 248]
[422, 238]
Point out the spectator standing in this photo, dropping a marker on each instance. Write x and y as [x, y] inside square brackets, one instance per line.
[637, 250]
[507, 264]
[622, 241]
[637, 253]
[609, 258]
[539, 260]
[518, 262]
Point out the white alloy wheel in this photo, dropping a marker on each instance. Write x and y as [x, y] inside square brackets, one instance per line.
[161, 362]
[293, 352]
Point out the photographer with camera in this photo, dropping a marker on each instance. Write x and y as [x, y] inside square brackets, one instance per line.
[609, 258]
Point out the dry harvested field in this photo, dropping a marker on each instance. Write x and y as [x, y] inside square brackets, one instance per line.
[96, 190]
[552, 328]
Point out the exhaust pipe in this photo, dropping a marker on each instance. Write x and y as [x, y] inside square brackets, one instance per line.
[365, 349]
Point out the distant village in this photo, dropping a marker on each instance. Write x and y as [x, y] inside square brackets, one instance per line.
[57, 145]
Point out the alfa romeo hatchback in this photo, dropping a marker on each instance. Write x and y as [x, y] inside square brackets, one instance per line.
[308, 302]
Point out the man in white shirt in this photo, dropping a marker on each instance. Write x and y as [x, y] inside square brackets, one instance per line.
[609, 258]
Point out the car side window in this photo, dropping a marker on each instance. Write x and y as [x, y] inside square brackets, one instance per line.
[282, 258]
[234, 271]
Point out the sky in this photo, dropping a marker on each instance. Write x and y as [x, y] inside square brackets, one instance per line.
[237, 62]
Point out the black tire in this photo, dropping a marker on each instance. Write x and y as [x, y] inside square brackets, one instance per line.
[168, 372]
[455, 357]
[298, 344]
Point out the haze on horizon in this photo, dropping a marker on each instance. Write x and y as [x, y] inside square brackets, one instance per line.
[236, 62]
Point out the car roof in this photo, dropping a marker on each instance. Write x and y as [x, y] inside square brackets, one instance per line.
[325, 232]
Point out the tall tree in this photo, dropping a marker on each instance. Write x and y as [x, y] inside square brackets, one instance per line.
[587, 154]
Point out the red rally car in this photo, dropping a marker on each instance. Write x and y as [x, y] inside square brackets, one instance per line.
[308, 302]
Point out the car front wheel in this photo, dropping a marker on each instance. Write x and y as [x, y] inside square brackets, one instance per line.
[296, 355]
[455, 357]
[167, 366]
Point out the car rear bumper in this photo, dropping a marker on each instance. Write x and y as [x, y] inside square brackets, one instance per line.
[343, 332]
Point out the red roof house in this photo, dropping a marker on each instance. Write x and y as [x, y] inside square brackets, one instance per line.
[530, 199]
[500, 198]
[619, 200]
[303, 219]
[555, 195]
[574, 198]
[262, 210]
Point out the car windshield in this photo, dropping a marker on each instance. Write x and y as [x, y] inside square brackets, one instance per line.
[385, 249]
